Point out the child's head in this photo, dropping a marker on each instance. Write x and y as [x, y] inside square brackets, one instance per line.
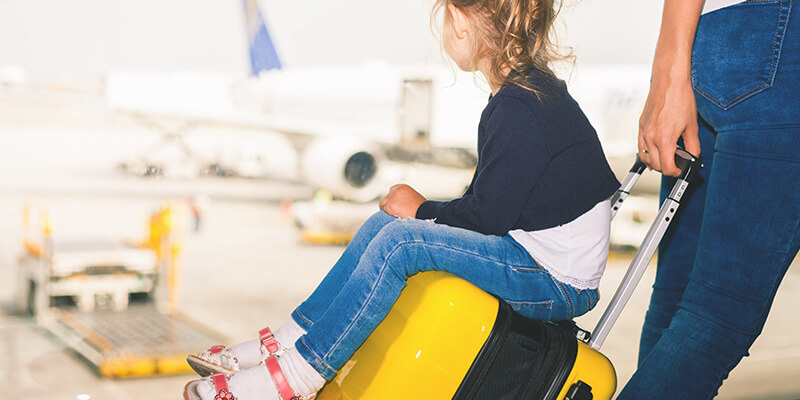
[499, 36]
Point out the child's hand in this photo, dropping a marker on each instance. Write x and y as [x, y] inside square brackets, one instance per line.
[401, 201]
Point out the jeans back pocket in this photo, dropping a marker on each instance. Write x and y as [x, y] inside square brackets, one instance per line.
[736, 50]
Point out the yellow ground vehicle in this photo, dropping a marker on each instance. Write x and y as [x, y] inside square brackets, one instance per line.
[80, 290]
[447, 339]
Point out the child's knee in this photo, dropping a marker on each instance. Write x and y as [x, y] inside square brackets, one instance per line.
[379, 219]
[403, 229]
[396, 234]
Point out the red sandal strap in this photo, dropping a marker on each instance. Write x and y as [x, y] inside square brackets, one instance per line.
[220, 383]
[269, 341]
[216, 349]
[284, 389]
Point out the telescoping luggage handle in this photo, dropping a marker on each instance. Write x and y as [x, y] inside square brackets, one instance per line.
[689, 166]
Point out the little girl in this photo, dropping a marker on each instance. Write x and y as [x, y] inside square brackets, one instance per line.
[532, 228]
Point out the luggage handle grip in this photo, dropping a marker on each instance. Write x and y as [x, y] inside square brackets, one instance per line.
[685, 161]
[689, 166]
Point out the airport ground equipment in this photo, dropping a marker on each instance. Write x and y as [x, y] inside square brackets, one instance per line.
[80, 292]
[447, 339]
[326, 221]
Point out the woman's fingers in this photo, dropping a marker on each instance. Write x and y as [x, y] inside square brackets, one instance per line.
[666, 153]
[643, 152]
[691, 139]
[661, 148]
[658, 142]
[645, 128]
[653, 158]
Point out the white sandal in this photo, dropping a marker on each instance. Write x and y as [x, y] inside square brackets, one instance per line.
[220, 359]
[219, 381]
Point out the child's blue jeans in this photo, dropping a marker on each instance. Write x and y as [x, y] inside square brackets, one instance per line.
[363, 285]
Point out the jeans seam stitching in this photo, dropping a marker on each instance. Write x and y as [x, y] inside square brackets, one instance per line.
[456, 249]
[543, 305]
[372, 291]
[787, 259]
[713, 322]
[728, 153]
[563, 293]
[735, 100]
[538, 263]
[720, 291]
[316, 356]
[789, 246]
[527, 269]
[306, 320]
[479, 255]
[775, 127]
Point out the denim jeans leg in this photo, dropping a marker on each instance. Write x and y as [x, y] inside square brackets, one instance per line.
[405, 247]
[312, 308]
[677, 250]
[750, 234]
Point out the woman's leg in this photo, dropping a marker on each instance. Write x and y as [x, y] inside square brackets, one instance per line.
[404, 247]
[677, 250]
[745, 63]
[750, 234]
[315, 306]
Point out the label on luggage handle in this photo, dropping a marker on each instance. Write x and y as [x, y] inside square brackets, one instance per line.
[681, 190]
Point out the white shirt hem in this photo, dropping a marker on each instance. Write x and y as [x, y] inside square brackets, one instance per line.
[574, 253]
[581, 284]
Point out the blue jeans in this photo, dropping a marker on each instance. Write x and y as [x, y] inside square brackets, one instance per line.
[363, 285]
[722, 260]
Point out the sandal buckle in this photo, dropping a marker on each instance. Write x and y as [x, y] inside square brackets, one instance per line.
[269, 342]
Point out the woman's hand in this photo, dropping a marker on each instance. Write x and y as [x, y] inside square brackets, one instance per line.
[401, 201]
[670, 112]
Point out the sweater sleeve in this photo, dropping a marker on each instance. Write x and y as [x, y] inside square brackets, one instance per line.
[511, 159]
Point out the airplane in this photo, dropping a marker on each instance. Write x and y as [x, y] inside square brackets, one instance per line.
[350, 130]
[345, 125]
[344, 122]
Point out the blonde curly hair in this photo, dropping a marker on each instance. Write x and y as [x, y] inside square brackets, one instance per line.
[517, 35]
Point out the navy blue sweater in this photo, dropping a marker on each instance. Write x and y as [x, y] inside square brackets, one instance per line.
[540, 165]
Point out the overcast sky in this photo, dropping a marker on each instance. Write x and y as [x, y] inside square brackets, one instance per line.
[79, 40]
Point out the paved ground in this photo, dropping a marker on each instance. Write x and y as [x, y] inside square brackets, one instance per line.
[65, 167]
[268, 271]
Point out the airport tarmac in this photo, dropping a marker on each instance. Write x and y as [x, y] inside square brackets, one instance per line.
[246, 267]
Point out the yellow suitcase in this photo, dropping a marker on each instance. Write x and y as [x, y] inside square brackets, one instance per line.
[447, 339]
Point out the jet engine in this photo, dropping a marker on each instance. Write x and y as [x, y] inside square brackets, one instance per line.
[347, 167]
